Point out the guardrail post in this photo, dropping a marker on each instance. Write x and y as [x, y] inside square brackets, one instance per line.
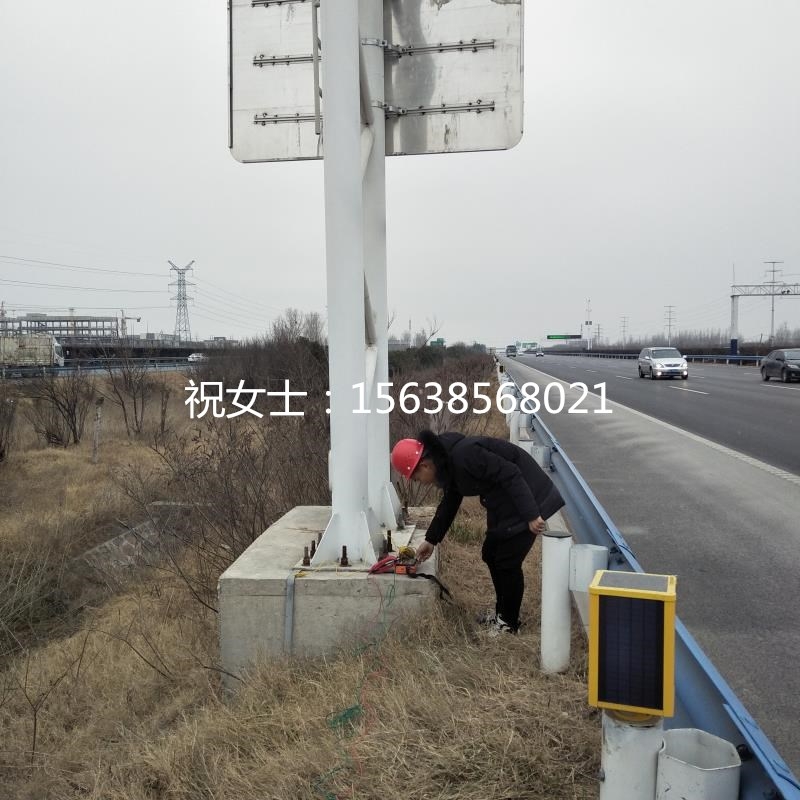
[629, 756]
[556, 627]
[513, 427]
[584, 561]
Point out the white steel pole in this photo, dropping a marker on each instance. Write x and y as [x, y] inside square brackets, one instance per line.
[734, 316]
[344, 242]
[556, 627]
[382, 496]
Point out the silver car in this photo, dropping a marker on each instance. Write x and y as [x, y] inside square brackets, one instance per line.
[662, 362]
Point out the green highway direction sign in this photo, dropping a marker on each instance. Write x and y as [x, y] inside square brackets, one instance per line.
[564, 336]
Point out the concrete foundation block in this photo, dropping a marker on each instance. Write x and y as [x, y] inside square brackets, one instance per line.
[271, 607]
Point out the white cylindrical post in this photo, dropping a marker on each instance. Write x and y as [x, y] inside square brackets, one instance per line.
[556, 610]
[507, 387]
[513, 427]
[629, 757]
[584, 561]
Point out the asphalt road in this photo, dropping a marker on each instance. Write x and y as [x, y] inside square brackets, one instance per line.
[730, 405]
[697, 494]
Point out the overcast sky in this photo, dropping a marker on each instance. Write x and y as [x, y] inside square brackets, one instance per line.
[660, 150]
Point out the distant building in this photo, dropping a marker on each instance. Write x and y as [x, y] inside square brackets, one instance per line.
[61, 326]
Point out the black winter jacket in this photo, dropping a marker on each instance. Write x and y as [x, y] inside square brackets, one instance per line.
[513, 488]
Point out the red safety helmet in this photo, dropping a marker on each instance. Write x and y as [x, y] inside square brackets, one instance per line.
[406, 454]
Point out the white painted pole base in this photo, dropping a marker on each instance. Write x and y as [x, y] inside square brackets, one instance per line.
[556, 610]
[584, 561]
[390, 509]
[351, 531]
[629, 757]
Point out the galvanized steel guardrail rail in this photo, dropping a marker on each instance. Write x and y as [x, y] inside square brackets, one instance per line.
[95, 365]
[704, 700]
[701, 357]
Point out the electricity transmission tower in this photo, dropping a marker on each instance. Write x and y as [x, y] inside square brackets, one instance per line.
[183, 332]
[624, 321]
[670, 321]
[773, 283]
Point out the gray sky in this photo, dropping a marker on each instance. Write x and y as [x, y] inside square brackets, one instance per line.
[660, 149]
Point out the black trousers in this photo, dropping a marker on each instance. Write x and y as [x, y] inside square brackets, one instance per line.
[504, 557]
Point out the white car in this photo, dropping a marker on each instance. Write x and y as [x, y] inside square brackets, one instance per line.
[662, 362]
[195, 357]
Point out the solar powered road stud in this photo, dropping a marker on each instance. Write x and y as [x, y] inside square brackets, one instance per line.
[632, 642]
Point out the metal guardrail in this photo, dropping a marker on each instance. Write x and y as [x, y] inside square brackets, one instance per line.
[704, 699]
[93, 365]
[701, 357]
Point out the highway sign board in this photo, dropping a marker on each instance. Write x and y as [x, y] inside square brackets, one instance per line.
[452, 80]
[564, 336]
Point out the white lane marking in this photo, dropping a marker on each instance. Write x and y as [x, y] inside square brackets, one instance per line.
[624, 377]
[789, 477]
[593, 370]
[783, 386]
[684, 389]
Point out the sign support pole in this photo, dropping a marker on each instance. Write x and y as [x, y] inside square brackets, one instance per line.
[363, 498]
[382, 495]
[344, 243]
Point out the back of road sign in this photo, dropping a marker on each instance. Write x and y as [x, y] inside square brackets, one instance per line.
[453, 77]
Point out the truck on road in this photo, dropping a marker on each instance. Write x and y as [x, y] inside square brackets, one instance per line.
[28, 351]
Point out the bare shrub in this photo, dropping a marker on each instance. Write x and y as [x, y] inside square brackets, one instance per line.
[59, 405]
[233, 479]
[29, 589]
[129, 385]
[47, 423]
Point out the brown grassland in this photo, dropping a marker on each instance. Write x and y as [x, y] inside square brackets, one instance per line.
[110, 690]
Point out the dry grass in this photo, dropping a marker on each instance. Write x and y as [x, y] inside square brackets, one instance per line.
[437, 710]
[58, 493]
[126, 704]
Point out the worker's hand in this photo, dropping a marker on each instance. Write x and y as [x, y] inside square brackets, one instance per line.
[424, 552]
[536, 525]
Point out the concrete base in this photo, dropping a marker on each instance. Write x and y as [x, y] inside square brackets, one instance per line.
[270, 606]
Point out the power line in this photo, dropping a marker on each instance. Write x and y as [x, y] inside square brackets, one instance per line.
[59, 265]
[80, 288]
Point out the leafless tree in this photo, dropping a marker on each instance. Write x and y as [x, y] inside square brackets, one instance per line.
[129, 385]
[8, 410]
[59, 405]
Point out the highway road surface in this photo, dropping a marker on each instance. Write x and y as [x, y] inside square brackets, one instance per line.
[703, 484]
